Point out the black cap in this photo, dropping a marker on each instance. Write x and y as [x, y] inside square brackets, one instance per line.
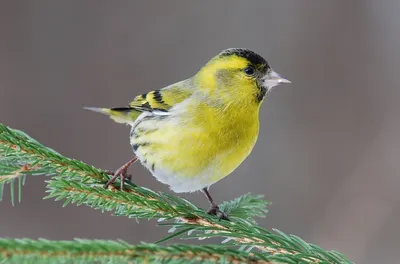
[251, 56]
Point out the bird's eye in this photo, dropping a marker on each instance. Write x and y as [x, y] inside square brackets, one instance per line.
[249, 70]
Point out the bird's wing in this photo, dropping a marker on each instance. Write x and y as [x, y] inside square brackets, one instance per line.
[160, 100]
[157, 102]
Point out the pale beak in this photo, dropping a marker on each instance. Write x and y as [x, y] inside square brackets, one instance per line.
[272, 78]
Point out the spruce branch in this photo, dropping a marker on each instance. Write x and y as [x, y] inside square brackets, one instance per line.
[79, 183]
[107, 251]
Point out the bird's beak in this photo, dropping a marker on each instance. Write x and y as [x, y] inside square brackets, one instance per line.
[272, 78]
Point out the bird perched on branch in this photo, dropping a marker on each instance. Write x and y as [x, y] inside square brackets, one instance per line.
[193, 133]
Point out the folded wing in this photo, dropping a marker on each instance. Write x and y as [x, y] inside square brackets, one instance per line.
[158, 102]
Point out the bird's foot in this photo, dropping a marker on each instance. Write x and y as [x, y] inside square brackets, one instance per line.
[214, 210]
[122, 173]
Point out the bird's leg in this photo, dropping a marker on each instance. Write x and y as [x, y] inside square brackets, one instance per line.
[121, 172]
[214, 209]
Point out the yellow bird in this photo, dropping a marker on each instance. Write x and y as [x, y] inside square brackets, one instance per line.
[193, 133]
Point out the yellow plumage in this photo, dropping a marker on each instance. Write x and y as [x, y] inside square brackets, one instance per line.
[197, 131]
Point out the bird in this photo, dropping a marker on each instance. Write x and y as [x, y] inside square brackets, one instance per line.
[195, 132]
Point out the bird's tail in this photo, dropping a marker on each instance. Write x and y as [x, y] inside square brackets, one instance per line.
[123, 115]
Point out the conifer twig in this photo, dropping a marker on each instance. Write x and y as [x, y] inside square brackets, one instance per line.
[106, 251]
[76, 182]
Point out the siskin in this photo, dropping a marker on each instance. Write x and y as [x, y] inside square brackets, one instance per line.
[193, 133]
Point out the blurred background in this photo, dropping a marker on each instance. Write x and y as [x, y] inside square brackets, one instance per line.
[328, 152]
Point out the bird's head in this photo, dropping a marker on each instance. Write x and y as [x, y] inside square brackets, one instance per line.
[238, 74]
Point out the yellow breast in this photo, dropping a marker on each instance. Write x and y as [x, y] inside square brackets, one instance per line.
[192, 149]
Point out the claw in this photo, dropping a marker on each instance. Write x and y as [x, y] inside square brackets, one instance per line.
[122, 173]
[214, 210]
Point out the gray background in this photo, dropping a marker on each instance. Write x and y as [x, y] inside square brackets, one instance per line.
[328, 151]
